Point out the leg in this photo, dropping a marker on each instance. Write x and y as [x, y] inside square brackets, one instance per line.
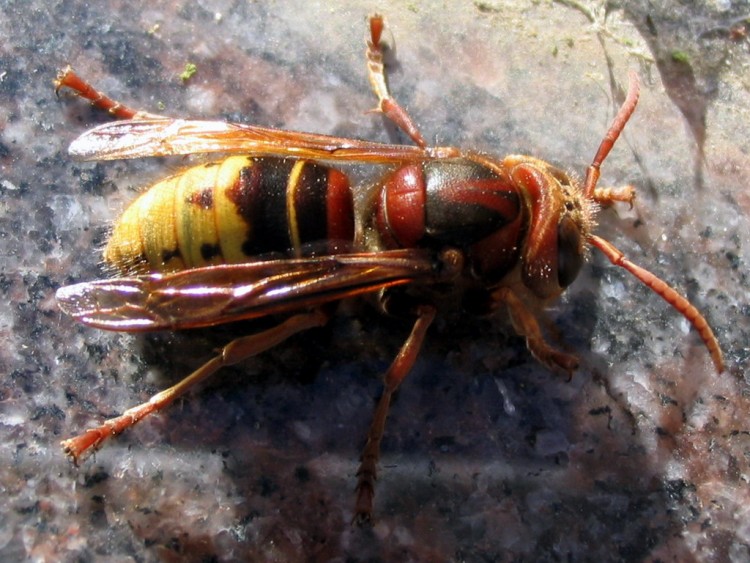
[399, 369]
[607, 196]
[67, 78]
[526, 325]
[234, 352]
[376, 72]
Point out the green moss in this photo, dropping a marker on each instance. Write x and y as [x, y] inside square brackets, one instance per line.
[190, 70]
[680, 57]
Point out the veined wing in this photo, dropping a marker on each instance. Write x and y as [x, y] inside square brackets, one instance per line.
[135, 138]
[219, 294]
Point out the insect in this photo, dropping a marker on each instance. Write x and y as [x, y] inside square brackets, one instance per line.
[271, 229]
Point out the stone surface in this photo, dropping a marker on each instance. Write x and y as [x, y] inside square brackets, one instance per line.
[488, 456]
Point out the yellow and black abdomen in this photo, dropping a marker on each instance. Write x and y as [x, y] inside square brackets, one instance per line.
[229, 211]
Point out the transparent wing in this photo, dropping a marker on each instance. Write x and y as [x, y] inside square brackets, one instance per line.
[220, 294]
[137, 138]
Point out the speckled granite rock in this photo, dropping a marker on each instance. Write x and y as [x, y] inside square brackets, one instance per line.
[488, 456]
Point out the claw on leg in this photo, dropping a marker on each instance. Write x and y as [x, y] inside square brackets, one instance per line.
[526, 325]
[399, 369]
[376, 73]
[67, 78]
[236, 351]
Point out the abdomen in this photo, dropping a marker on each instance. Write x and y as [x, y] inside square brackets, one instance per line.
[230, 211]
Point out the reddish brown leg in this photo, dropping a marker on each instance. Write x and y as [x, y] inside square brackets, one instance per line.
[67, 78]
[607, 196]
[399, 369]
[669, 294]
[526, 325]
[376, 73]
[232, 353]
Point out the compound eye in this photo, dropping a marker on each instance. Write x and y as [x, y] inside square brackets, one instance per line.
[569, 251]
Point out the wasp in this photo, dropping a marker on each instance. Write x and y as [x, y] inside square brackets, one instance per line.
[271, 229]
